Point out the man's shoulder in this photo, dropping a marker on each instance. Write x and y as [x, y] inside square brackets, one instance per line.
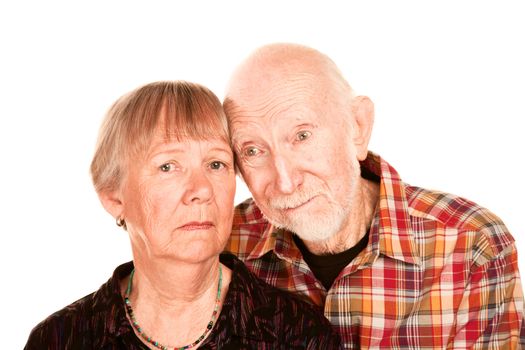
[248, 213]
[462, 215]
[262, 294]
[266, 304]
[294, 310]
[249, 225]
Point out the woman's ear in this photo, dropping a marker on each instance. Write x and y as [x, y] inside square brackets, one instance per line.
[363, 115]
[112, 202]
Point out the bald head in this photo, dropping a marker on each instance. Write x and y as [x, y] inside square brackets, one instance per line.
[298, 133]
[273, 65]
[280, 74]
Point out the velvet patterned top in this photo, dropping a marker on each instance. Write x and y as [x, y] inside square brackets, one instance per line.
[254, 315]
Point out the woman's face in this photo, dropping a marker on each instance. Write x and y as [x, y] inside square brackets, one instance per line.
[178, 201]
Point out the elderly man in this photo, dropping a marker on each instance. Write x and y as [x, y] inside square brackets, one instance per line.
[392, 265]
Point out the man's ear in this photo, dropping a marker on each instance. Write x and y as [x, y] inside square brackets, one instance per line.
[111, 201]
[363, 116]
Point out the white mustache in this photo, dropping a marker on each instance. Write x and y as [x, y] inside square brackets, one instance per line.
[293, 200]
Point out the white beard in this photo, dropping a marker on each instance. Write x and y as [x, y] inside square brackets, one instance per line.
[320, 225]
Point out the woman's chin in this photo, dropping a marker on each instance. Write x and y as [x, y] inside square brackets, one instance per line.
[196, 253]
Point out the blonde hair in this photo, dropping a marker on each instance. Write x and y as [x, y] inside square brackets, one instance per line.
[182, 109]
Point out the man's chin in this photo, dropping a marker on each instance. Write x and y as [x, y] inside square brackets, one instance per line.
[309, 225]
[313, 229]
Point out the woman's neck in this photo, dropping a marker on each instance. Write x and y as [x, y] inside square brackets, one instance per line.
[173, 301]
[174, 283]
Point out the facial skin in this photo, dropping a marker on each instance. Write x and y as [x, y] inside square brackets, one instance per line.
[178, 200]
[297, 160]
[299, 140]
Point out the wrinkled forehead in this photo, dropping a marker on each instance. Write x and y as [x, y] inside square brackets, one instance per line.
[302, 96]
[269, 95]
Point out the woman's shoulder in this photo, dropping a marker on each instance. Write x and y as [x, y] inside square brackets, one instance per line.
[87, 318]
[285, 315]
[55, 330]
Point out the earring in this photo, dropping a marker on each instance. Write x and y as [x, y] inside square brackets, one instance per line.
[120, 222]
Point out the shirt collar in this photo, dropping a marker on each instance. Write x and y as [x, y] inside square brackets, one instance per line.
[391, 227]
[390, 232]
[109, 300]
[274, 239]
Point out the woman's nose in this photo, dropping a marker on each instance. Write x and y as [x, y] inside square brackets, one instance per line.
[199, 189]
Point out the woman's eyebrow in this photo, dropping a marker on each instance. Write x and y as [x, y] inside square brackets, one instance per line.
[155, 152]
[220, 149]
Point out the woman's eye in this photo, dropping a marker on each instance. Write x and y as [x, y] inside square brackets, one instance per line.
[166, 167]
[303, 135]
[216, 165]
[251, 152]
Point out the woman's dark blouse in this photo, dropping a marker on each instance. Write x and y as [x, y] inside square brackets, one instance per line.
[255, 315]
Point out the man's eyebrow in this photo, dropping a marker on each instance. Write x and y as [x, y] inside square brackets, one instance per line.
[240, 136]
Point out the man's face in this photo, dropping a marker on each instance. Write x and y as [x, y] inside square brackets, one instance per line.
[294, 148]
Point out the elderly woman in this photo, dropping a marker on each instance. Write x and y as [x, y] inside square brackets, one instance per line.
[164, 169]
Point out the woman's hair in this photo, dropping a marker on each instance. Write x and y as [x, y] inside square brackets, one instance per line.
[184, 110]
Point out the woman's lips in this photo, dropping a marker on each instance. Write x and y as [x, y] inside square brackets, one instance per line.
[196, 225]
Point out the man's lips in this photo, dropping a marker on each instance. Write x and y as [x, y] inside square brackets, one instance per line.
[300, 205]
[196, 225]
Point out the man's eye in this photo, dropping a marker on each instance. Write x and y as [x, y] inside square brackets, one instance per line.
[303, 135]
[166, 167]
[216, 165]
[251, 152]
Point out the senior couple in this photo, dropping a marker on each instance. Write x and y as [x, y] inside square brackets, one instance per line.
[334, 250]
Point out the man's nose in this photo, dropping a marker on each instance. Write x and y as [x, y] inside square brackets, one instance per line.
[288, 177]
[199, 189]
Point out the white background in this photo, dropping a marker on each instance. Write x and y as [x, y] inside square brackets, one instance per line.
[447, 78]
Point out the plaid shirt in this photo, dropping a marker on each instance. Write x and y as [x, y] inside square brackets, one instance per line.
[438, 272]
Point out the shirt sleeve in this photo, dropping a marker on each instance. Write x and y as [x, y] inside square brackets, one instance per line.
[490, 314]
[43, 336]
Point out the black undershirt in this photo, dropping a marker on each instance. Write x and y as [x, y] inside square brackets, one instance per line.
[326, 268]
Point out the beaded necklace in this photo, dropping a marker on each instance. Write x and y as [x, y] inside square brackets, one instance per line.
[147, 338]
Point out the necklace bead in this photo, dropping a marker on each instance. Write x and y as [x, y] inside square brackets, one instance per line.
[155, 343]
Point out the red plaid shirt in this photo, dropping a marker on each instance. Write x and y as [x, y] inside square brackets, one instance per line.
[438, 272]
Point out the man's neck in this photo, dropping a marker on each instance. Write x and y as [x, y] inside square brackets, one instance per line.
[355, 226]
